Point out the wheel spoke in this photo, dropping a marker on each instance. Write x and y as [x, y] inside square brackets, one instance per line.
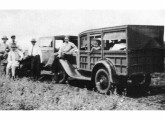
[102, 81]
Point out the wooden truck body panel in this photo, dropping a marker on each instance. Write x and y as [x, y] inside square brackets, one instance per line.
[142, 50]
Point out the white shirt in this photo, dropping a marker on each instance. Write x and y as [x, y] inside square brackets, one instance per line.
[67, 47]
[14, 56]
[3, 47]
[16, 43]
[35, 50]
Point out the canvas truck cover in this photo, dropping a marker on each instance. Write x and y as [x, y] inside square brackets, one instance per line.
[145, 49]
[145, 37]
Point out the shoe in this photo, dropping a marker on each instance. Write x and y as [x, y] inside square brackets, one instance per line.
[13, 78]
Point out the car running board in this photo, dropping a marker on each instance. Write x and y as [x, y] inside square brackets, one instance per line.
[72, 71]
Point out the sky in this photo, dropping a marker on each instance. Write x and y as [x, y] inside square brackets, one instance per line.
[28, 24]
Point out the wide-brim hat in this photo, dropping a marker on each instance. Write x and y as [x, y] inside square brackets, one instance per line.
[33, 40]
[4, 38]
[13, 46]
[13, 36]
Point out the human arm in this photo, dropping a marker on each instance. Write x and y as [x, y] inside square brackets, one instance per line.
[95, 49]
[73, 49]
[40, 53]
[20, 54]
[9, 57]
[2, 51]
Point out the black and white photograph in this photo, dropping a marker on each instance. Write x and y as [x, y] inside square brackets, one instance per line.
[82, 59]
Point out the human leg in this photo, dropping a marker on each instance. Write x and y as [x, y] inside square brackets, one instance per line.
[55, 67]
[13, 68]
[37, 66]
[8, 67]
[32, 66]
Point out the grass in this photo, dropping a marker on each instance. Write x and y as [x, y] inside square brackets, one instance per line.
[26, 94]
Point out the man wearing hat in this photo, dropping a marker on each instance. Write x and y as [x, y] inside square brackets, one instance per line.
[67, 48]
[13, 37]
[36, 59]
[3, 47]
[13, 59]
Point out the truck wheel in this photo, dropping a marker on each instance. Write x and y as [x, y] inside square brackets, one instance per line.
[146, 84]
[60, 76]
[102, 81]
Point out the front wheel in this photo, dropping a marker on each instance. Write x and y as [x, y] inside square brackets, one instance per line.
[60, 76]
[102, 81]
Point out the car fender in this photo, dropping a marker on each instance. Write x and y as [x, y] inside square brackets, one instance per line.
[108, 65]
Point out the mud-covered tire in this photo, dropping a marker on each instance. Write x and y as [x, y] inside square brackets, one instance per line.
[146, 84]
[60, 76]
[102, 81]
[140, 88]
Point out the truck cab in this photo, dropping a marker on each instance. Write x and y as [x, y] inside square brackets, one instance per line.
[50, 45]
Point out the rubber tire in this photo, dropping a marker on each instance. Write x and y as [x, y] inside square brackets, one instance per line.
[107, 84]
[145, 85]
[140, 89]
[61, 76]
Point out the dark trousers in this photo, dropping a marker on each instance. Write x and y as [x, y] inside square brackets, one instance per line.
[35, 66]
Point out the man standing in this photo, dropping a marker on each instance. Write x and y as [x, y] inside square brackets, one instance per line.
[3, 47]
[13, 37]
[36, 59]
[13, 59]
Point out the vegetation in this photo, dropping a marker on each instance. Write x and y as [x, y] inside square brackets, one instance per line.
[27, 94]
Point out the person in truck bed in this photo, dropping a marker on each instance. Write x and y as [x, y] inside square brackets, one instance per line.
[96, 46]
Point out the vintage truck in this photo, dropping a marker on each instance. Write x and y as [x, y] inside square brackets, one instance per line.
[128, 56]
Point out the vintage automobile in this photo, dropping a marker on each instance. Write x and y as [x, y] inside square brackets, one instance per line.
[50, 45]
[128, 55]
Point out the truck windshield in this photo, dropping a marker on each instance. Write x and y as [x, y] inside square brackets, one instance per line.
[46, 42]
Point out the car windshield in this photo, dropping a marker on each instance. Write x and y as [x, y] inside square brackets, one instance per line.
[46, 42]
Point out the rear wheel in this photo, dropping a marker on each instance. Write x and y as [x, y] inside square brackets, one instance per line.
[102, 81]
[139, 88]
[145, 85]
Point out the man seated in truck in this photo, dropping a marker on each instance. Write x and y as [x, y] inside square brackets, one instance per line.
[66, 51]
[67, 48]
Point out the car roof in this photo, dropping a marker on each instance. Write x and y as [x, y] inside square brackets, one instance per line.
[112, 28]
